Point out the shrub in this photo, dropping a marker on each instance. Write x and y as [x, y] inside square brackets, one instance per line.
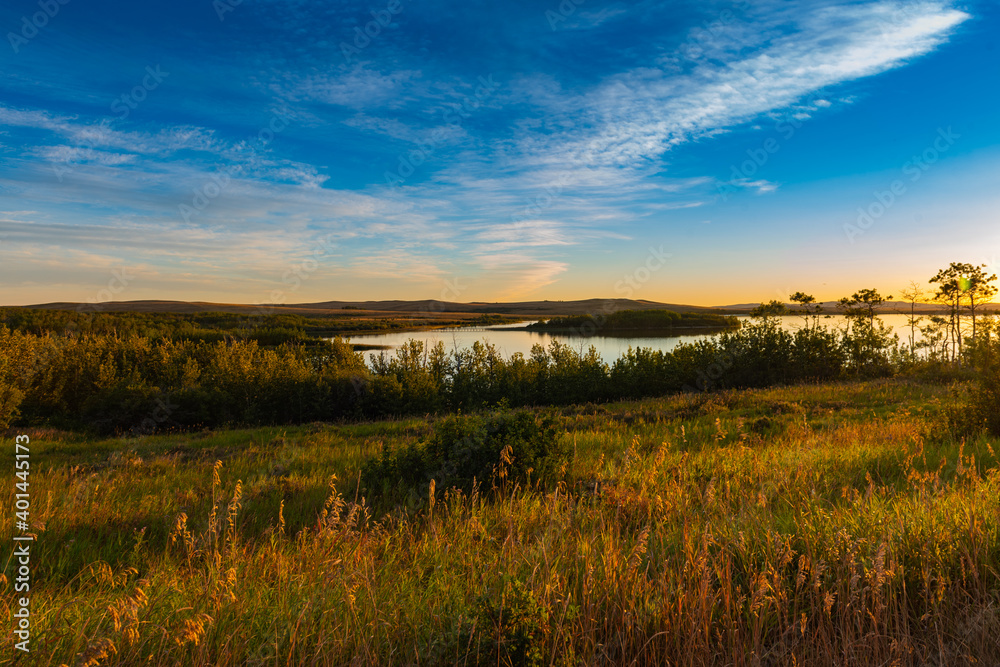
[17, 355]
[817, 354]
[506, 446]
[122, 408]
[512, 628]
[983, 408]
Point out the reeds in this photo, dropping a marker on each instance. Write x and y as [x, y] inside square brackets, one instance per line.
[846, 535]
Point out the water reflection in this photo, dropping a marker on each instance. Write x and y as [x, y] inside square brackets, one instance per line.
[510, 342]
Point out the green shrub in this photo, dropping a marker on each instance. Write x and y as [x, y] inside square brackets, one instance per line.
[512, 628]
[502, 448]
[17, 356]
[123, 408]
[983, 408]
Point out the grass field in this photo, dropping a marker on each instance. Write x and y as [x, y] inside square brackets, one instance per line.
[809, 525]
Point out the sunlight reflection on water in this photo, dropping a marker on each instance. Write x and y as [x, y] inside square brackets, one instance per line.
[610, 348]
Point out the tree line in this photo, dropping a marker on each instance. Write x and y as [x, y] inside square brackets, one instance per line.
[961, 289]
[132, 383]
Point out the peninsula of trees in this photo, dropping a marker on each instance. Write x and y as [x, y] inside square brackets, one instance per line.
[635, 321]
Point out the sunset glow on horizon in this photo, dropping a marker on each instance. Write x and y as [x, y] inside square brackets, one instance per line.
[703, 153]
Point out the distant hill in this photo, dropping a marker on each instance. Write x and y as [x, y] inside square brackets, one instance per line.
[830, 307]
[430, 308]
[529, 308]
[425, 308]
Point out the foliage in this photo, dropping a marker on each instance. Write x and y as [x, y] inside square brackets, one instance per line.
[269, 326]
[769, 310]
[634, 320]
[500, 449]
[863, 304]
[820, 524]
[514, 627]
[140, 373]
[112, 383]
[18, 350]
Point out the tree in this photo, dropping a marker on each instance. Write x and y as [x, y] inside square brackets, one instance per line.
[935, 337]
[809, 306]
[770, 310]
[978, 289]
[913, 294]
[862, 304]
[949, 292]
[961, 280]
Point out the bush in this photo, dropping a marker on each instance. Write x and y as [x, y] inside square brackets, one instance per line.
[513, 627]
[504, 447]
[983, 409]
[122, 408]
[817, 355]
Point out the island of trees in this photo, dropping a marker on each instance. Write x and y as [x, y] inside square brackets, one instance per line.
[635, 321]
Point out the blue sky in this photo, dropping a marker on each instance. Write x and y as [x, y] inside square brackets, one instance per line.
[703, 152]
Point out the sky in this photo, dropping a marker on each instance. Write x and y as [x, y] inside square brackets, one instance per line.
[294, 151]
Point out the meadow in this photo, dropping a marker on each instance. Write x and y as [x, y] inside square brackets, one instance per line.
[851, 522]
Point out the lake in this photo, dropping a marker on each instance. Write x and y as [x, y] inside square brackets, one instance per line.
[509, 342]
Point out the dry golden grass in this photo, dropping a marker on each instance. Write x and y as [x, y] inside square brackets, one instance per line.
[829, 525]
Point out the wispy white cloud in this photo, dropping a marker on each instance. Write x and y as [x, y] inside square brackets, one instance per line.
[566, 164]
[359, 88]
[519, 275]
[638, 115]
[102, 134]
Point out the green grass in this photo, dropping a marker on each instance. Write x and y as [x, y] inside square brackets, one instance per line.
[819, 525]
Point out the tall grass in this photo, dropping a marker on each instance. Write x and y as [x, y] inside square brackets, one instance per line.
[822, 525]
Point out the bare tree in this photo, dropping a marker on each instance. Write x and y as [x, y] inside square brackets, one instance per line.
[978, 289]
[913, 293]
[949, 292]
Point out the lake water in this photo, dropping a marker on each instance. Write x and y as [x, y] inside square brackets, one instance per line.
[610, 348]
